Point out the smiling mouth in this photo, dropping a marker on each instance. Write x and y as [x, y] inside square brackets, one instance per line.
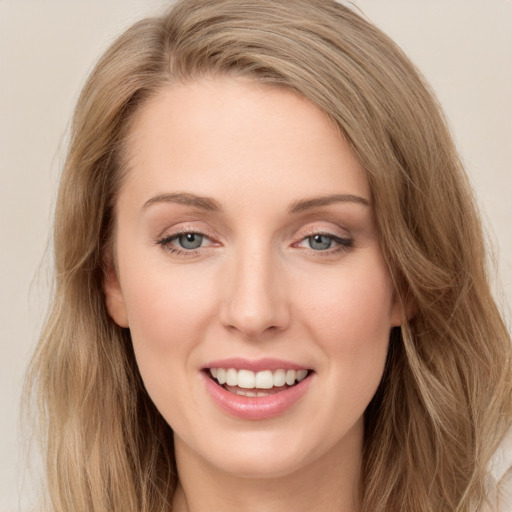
[257, 384]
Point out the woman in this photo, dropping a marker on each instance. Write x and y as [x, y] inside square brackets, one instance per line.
[271, 289]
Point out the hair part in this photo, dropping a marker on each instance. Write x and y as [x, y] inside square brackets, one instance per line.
[444, 401]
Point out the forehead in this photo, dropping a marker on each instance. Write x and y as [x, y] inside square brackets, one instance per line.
[224, 136]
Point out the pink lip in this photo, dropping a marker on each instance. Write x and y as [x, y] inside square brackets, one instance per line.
[255, 408]
[254, 365]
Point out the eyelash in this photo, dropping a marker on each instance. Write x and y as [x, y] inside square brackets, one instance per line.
[166, 241]
[344, 244]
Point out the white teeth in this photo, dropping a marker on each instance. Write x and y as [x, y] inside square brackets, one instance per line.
[279, 378]
[231, 377]
[221, 375]
[246, 392]
[246, 379]
[301, 374]
[290, 377]
[266, 379]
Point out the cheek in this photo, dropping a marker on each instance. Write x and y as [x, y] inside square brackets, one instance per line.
[167, 312]
[351, 320]
[166, 306]
[357, 300]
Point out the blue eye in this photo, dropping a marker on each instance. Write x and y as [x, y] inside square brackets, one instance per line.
[326, 243]
[190, 241]
[320, 242]
[184, 243]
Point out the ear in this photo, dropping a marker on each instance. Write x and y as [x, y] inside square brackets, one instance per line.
[114, 298]
[402, 310]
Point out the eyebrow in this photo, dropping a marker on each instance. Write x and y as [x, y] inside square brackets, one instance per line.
[201, 202]
[317, 202]
[211, 205]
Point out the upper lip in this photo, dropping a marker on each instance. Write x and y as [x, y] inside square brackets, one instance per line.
[255, 365]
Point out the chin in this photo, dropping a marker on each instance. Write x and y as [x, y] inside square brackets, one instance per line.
[259, 463]
[267, 453]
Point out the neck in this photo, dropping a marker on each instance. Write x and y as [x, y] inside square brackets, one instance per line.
[330, 483]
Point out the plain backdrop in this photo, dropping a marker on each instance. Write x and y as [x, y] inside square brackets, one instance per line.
[47, 48]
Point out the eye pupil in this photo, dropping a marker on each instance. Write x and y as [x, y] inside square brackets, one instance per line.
[190, 240]
[320, 242]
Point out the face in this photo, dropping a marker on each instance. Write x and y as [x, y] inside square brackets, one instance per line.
[250, 275]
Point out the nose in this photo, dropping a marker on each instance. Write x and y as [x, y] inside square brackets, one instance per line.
[255, 296]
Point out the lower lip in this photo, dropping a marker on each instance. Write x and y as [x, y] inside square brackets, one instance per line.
[256, 408]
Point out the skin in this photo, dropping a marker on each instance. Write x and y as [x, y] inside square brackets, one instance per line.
[257, 287]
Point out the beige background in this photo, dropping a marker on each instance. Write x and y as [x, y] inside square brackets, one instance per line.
[47, 47]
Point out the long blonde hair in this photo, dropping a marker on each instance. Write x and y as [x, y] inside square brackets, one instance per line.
[444, 402]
